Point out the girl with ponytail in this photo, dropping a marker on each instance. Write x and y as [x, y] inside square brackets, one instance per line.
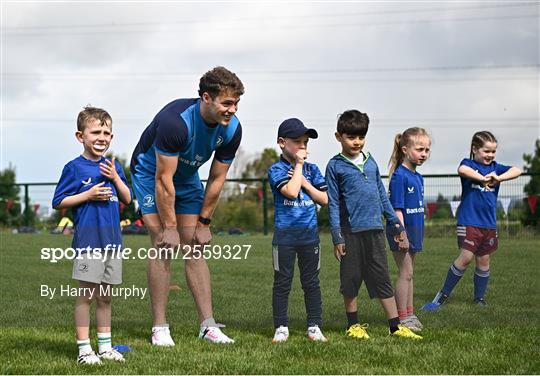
[406, 193]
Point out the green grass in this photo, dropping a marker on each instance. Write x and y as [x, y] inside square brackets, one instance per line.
[37, 334]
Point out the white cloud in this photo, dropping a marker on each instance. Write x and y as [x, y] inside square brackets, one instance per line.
[162, 49]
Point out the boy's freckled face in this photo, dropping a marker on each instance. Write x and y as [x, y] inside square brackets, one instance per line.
[351, 144]
[96, 138]
[291, 146]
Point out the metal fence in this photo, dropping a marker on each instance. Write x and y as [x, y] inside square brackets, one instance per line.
[247, 205]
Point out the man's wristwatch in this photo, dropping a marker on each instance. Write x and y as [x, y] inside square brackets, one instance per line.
[204, 220]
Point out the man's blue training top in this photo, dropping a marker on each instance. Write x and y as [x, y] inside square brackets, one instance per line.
[179, 130]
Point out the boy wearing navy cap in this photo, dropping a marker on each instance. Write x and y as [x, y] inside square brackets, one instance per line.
[297, 187]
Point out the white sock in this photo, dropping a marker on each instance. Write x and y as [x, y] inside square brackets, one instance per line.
[159, 327]
[84, 346]
[209, 322]
[104, 342]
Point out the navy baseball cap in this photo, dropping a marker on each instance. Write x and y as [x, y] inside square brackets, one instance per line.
[294, 128]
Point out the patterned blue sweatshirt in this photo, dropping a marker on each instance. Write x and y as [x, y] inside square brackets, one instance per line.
[357, 199]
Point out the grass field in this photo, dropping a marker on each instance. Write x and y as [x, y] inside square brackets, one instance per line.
[37, 334]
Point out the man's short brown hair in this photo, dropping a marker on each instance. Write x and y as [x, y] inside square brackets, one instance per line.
[90, 112]
[219, 80]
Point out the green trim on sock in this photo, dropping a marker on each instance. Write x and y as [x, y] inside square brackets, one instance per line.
[83, 342]
[104, 338]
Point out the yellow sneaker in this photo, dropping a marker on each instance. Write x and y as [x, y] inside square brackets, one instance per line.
[405, 332]
[358, 331]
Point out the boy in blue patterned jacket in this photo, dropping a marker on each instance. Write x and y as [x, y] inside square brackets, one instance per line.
[356, 202]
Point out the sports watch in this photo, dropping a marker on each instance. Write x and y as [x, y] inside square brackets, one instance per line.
[204, 220]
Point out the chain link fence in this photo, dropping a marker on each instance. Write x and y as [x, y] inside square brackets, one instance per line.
[247, 206]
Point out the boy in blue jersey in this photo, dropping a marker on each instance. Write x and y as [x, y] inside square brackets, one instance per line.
[175, 207]
[297, 187]
[476, 228]
[92, 186]
[357, 201]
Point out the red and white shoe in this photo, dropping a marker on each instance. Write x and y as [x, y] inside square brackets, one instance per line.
[161, 336]
[214, 335]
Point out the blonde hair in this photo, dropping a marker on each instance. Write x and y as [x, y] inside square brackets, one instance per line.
[401, 140]
[479, 139]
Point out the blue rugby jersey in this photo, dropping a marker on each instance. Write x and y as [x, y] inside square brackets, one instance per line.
[478, 203]
[295, 221]
[406, 192]
[97, 223]
[179, 130]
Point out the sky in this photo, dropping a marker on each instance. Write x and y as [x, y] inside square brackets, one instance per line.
[453, 68]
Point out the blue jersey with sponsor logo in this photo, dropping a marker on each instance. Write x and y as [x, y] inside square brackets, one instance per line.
[295, 221]
[97, 223]
[406, 192]
[179, 130]
[478, 203]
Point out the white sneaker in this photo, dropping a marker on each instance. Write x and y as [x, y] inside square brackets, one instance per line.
[112, 354]
[214, 334]
[417, 322]
[314, 333]
[411, 324]
[88, 358]
[281, 334]
[161, 336]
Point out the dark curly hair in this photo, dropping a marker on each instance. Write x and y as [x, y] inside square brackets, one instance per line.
[353, 122]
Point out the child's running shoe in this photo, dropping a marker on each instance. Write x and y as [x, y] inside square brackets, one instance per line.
[411, 324]
[161, 336]
[431, 306]
[481, 302]
[405, 332]
[88, 358]
[281, 334]
[436, 303]
[314, 333]
[358, 331]
[214, 334]
[416, 321]
[112, 354]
